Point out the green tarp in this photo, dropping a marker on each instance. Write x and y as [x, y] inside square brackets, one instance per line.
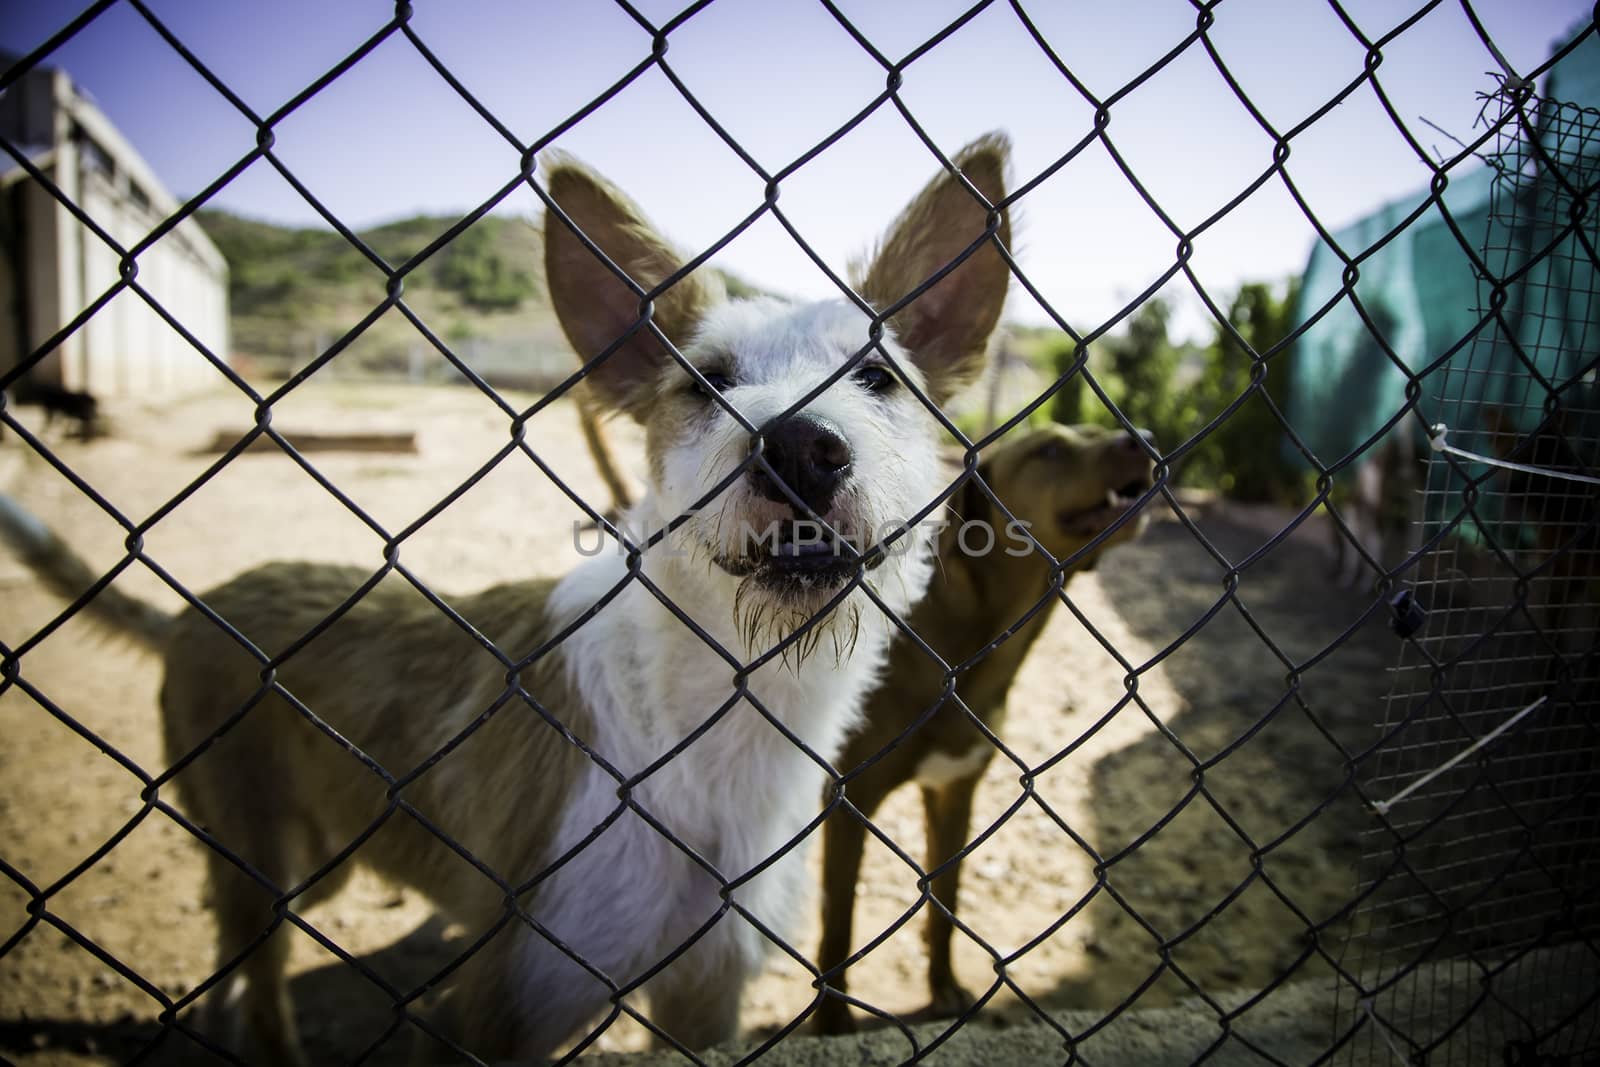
[1424, 295]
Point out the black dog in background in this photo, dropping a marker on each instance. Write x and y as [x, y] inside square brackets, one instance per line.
[69, 404]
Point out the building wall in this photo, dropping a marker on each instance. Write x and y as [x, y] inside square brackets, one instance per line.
[128, 349]
[125, 348]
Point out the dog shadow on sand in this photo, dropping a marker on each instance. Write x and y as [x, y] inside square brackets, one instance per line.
[1264, 775]
[341, 1013]
[1269, 746]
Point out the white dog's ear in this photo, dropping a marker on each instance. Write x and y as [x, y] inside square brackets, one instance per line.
[595, 307]
[947, 328]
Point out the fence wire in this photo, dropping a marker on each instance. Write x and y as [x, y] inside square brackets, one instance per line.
[1485, 849]
[1488, 869]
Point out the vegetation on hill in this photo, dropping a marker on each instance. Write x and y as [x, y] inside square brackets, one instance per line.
[491, 265]
[294, 291]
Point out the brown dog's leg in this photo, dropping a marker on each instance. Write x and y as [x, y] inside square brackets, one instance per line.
[843, 840]
[257, 1003]
[949, 809]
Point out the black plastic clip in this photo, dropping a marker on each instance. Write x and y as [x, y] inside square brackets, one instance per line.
[1406, 613]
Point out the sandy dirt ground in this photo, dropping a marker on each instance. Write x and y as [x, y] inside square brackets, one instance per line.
[1198, 793]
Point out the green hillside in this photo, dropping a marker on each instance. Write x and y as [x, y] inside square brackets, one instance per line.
[296, 290]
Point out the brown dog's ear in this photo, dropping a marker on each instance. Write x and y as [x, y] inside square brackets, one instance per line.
[594, 306]
[947, 328]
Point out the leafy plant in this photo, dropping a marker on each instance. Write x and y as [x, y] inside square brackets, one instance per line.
[1174, 390]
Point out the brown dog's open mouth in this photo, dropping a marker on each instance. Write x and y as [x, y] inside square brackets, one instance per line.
[1090, 521]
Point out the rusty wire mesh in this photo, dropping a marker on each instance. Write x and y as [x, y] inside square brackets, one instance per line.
[1556, 821]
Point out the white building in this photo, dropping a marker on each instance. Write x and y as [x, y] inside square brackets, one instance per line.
[52, 266]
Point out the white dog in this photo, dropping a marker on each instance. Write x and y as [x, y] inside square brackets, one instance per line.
[615, 787]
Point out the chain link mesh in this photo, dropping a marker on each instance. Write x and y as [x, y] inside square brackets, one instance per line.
[1486, 870]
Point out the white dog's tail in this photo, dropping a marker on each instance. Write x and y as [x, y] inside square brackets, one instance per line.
[68, 576]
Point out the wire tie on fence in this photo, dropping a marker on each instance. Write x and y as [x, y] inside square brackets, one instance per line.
[1383, 1031]
[1438, 432]
[1381, 807]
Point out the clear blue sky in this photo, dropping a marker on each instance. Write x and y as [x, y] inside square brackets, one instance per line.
[391, 139]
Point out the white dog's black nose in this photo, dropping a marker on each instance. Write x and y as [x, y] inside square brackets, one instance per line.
[809, 455]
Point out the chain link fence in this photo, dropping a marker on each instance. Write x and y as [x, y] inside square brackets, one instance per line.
[1300, 884]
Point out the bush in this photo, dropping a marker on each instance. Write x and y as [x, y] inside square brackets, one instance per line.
[1139, 369]
[1174, 390]
[1244, 456]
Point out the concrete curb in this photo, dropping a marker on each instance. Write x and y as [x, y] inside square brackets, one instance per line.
[1294, 1025]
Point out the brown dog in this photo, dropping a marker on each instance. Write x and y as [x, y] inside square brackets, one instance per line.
[1068, 484]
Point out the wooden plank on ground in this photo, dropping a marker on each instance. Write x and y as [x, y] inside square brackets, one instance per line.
[307, 441]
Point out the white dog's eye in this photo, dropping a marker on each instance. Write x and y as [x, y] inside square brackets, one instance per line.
[875, 378]
[718, 381]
